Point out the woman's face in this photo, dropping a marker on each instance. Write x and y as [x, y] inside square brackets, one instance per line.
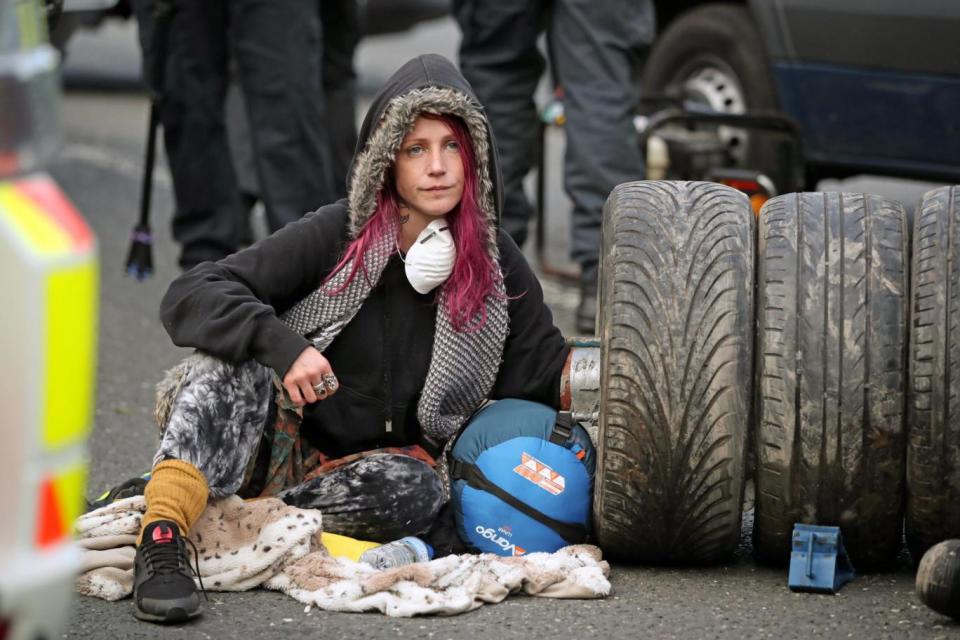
[429, 170]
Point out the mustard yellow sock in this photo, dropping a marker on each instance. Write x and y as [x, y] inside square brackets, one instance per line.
[177, 491]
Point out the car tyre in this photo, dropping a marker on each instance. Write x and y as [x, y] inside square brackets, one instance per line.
[722, 40]
[933, 450]
[938, 578]
[676, 294]
[831, 350]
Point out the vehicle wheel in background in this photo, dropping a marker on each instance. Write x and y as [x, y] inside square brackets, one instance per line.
[676, 318]
[831, 372]
[933, 405]
[714, 56]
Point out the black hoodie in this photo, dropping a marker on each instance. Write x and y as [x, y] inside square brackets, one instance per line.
[230, 309]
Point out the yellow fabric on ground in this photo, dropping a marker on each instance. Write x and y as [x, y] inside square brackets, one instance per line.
[344, 547]
[177, 491]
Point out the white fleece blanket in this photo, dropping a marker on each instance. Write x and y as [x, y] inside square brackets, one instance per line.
[266, 543]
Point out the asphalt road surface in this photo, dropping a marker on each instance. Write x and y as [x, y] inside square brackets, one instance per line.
[99, 168]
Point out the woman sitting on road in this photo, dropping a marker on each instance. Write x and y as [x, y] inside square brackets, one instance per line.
[350, 346]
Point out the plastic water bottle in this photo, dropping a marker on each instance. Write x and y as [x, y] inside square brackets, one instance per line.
[398, 553]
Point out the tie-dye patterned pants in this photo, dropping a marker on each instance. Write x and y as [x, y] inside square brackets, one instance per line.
[378, 495]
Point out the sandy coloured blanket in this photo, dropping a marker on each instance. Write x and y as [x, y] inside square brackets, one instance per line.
[266, 543]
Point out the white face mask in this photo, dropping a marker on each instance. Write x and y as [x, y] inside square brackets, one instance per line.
[429, 261]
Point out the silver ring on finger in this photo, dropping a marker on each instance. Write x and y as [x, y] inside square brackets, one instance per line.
[330, 381]
[320, 389]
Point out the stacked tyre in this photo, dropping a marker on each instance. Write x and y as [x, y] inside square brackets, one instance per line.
[933, 450]
[849, 391]
[676, 317]
[831, 372]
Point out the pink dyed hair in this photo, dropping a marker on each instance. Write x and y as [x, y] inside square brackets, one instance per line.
[473, 276]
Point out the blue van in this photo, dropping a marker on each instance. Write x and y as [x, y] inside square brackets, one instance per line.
[874, 85]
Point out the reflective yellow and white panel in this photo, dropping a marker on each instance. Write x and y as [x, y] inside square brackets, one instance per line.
[48, 284]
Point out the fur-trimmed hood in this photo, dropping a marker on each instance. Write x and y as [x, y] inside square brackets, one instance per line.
[428, 83]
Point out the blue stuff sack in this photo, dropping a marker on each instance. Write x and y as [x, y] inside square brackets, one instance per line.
[522, 479]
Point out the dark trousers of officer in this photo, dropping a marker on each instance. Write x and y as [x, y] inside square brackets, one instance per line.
[596, 48]
[276, 47]
[340, 32]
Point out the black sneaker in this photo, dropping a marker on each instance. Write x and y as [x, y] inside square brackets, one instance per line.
[163, 588]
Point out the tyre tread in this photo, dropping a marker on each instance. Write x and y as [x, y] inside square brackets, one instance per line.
[830, 421]
[676, 300]
[933, 449]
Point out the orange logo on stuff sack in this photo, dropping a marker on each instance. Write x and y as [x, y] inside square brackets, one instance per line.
[540, 474]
